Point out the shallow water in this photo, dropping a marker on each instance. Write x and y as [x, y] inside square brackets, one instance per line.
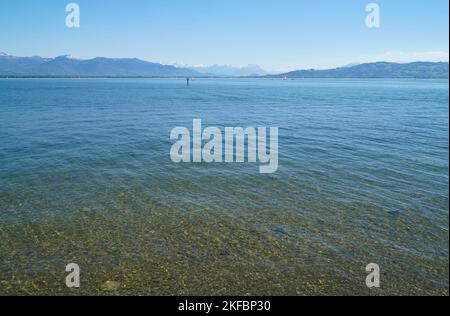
[86, 177]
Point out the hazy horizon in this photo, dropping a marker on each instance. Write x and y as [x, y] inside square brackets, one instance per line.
[206, 67]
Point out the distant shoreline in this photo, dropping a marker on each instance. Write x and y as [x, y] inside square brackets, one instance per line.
[68, 67]
[216, 77]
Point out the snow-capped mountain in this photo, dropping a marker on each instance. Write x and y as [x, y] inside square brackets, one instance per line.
[226, 70]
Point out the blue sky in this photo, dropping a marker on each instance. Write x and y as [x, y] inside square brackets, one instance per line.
[275, 34]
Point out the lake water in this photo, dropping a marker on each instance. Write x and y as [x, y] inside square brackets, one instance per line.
[86, 177]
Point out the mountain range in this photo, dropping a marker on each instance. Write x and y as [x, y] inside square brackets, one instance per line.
[425, 70]
[230, 71]
[66, 66]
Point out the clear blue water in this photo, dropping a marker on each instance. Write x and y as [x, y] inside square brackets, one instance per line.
[86, 177]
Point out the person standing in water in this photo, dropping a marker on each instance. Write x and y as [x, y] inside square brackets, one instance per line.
[188, 81]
